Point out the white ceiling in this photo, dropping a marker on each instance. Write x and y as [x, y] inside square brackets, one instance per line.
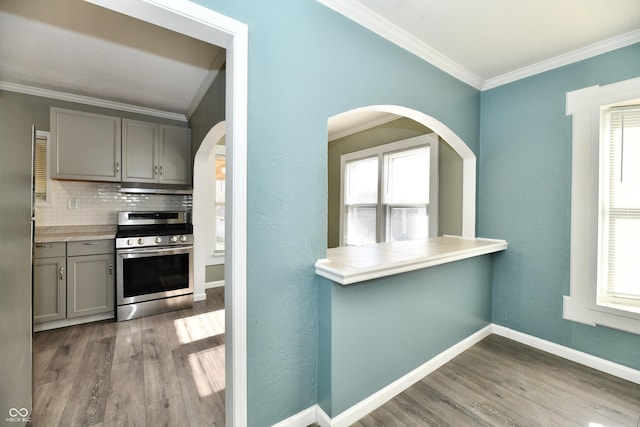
[491, 42]
[73, 47]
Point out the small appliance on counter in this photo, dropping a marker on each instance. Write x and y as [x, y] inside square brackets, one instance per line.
[154, 260]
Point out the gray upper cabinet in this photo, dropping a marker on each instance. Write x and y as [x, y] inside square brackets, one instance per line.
[139, 151]
[85, 146]
[175, 155]
[155, 153]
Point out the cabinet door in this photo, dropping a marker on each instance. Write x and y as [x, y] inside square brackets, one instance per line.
[49, 288]
[139, 151]
[175, 155]
[90, 285]
[85, 146]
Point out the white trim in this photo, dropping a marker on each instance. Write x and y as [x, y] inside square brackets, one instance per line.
[379, 398]
[577, 55]
[214, 284]
[63, 323]
[382, 27]
[361, 127]
[387, 393]
[209, 26]
[301, 419]
[212, 74]
[374, 22]
[584, 106]
[597, 363]
[88, 100]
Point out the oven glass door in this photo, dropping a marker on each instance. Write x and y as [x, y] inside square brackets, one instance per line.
[146, 274]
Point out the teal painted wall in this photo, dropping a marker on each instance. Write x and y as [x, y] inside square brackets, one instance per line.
[306, 64]
[524, 197]
[382, 329]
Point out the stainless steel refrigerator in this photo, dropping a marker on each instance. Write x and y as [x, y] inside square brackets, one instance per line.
[16, 225]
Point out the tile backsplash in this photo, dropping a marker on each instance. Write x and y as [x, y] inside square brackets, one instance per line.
[98, 203]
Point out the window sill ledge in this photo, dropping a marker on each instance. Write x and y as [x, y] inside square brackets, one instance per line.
[353, 264]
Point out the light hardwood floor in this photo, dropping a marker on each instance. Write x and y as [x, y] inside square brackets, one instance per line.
[499, 382]
[163, 370]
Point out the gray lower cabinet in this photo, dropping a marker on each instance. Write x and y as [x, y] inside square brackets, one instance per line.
[49, 289]
[80, 284]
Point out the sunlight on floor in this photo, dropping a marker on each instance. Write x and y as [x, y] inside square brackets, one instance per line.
[201, 363]
[199, 326]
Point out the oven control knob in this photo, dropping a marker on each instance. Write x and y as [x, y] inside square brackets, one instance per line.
[174, 239]
[158, 239]
[129, 242]
[140, 241]
[183, 238]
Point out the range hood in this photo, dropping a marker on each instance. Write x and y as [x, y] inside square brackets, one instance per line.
[150, 188]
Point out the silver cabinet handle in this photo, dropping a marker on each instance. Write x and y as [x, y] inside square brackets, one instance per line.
[155, 170]
[44, 245]
[160, 170]
[91, 243]
[117, 167]
[110, 269]
[61, 273]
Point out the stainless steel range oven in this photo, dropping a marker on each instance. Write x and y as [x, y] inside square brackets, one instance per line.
[154, 263]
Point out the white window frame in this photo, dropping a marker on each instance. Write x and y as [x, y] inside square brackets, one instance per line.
[587, 107]
[219, 151]
[430, 140]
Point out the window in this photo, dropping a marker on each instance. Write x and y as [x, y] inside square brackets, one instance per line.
[41, 185]
[605, 219]
[389, 192]
[619, 248]
[221, 166]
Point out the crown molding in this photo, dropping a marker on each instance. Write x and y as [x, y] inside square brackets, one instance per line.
[87, 100]
[403, 39]
[379, 25]
[577, 55]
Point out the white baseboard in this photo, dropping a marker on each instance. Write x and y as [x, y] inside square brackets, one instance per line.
[580, 357]
[301, 419]
[216, 284]
[359, 410]
[199, 297]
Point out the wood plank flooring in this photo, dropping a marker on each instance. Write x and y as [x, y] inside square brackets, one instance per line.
[163, 370]
[499, 382]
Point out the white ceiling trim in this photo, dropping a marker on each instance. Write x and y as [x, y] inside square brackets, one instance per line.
[398, 36]
[577, 55]
[88, 100]
[403, 39]
[214, 69]
[363, 126]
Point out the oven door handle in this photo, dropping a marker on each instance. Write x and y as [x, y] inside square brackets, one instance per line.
[160, 250]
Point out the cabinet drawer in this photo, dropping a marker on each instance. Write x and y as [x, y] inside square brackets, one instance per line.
[49, 250]
[90, 247]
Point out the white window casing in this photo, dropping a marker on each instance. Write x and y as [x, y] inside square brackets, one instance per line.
[589, 108]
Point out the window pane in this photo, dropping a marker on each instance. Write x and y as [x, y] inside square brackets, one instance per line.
[361, 225]
[624, 269]
[219, 228]
[407, 177]
[220, 178]
[407, 223]
[361, 178]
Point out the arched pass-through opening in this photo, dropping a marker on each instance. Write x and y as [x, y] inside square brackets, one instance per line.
[204, 24]
[468, 228]
[203, 179]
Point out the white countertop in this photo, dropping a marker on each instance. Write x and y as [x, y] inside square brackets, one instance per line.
[352, 264]
[71, 233]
